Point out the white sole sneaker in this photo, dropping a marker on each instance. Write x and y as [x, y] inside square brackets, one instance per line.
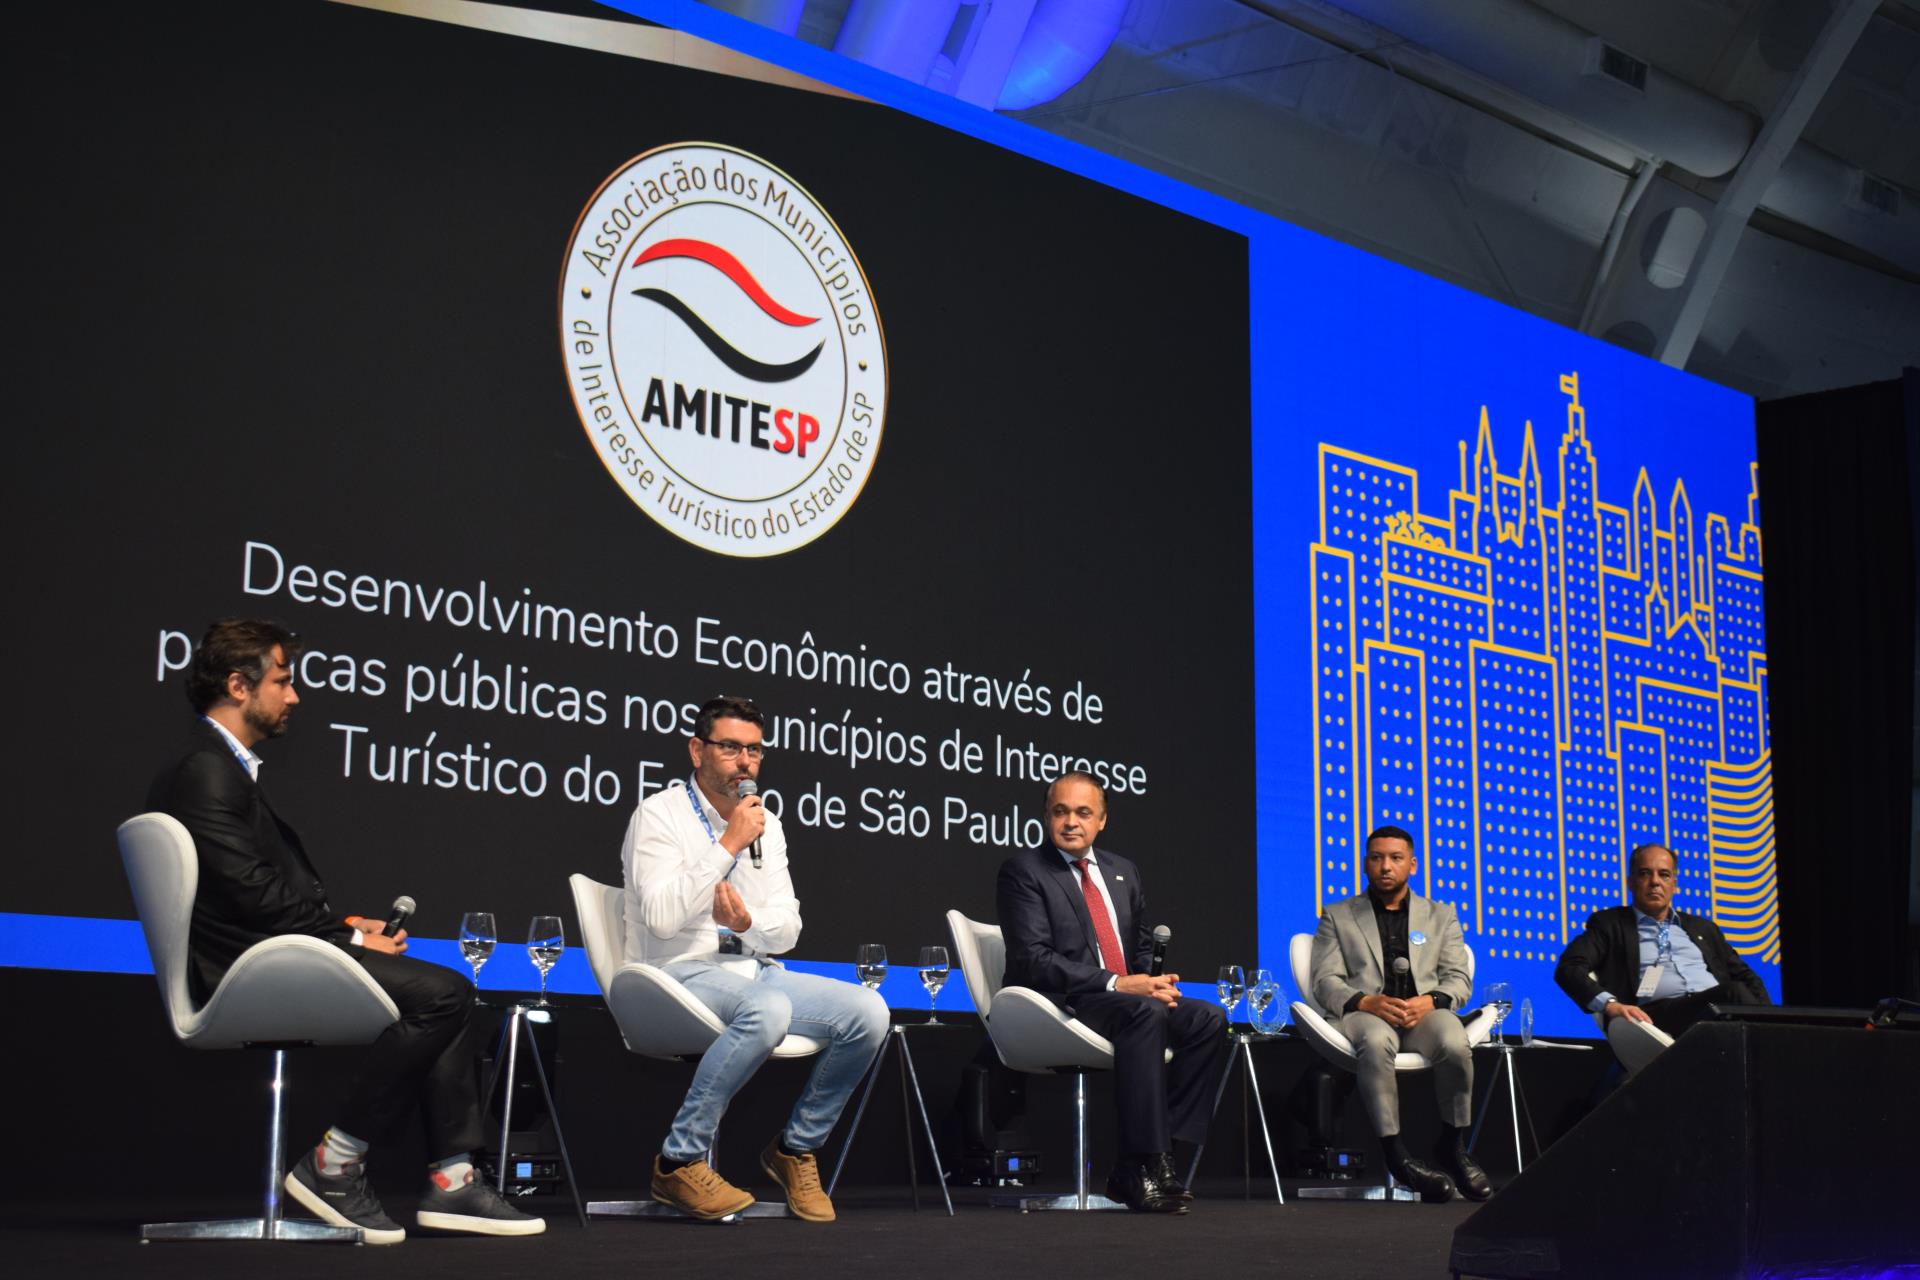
[317, 1205]
[431, 1221]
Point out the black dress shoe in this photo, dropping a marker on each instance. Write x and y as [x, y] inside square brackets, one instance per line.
[1170, 1183]
[1134, 1183]
[1434, 1186]
[1468, 1176]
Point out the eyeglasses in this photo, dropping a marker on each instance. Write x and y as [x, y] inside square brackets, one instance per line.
[733, 750]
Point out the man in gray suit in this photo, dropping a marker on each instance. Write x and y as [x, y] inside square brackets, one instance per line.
[1394, 967]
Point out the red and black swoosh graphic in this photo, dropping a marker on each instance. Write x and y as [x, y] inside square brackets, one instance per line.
[736, 272]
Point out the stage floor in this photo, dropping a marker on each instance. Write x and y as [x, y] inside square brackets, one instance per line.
[878, 1235]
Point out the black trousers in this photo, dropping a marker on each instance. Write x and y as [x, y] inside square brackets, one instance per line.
[1676, 1013]
[1159, 1100]
[426, 1059]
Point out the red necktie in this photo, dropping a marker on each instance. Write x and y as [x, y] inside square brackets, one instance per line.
[1112, 958]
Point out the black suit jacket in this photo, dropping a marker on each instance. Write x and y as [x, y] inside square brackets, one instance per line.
[1609, 949]
[1048, 933]
[255, 879]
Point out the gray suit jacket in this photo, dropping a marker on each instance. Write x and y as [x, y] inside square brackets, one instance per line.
[1347, 959]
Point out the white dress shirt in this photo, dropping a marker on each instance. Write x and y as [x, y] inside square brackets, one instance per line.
[672, 861]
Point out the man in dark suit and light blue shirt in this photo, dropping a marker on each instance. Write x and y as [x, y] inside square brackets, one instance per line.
[1393, 965]
[1650, 963]
[1073, 918]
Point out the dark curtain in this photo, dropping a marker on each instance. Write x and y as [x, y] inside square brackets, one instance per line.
[1837, 485]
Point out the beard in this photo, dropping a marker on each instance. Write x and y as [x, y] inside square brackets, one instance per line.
[267, 726]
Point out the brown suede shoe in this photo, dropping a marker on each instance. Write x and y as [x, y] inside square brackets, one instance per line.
[697, 1190]
[799, 1177]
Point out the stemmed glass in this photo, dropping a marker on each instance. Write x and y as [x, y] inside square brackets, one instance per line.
[477, 936]
[1232, 985]
[870, 963]
[933, 976]
[545, 941]
[1262, 991]
[1500, 1000]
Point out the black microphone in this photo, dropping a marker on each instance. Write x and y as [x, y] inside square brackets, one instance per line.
[403, 906]
[1161, 937]
[744, 788]
[1400, 969]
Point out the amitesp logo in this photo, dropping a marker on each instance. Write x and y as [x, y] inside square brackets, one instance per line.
[723, 349]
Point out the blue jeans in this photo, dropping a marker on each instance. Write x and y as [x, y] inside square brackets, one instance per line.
[759, 1012]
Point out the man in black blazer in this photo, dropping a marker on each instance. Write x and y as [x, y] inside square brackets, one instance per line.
[1650, 963]
[256, 882]
[1074, 922]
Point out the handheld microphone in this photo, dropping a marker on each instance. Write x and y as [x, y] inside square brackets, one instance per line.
[1400, 970]
[744, 788]
[403, 906]
[1161, 937]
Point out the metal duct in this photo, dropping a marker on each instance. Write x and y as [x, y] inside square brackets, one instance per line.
[900, 36]
[1063, 41]
[1548, 59]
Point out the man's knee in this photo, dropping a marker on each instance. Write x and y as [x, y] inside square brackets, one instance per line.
[1372, 1039]
[871, 1017]
[765, 1015]
[1451, 1045]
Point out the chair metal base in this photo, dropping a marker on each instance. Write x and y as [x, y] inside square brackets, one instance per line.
[270, 1225]
[1033, 1204]
[251, 1229]
[1394, 1192]
[656, 1209]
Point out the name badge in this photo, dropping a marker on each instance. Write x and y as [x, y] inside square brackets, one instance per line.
[1417, 938]
[1649, 981]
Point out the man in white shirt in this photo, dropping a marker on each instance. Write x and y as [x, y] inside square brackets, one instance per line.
[710, 901]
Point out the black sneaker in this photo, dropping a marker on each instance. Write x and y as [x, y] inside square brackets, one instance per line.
[475, 1208]
[345, 1201]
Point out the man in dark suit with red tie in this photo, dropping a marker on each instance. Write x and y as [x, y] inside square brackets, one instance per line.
[1074, 921]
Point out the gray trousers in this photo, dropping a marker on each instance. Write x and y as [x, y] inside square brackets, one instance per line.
[1440, 1038]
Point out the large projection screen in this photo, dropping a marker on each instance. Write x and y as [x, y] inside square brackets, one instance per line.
[549, 391]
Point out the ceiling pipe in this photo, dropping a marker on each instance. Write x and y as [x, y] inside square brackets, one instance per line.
[1552, 61]
[899, 36]
[1063, 41]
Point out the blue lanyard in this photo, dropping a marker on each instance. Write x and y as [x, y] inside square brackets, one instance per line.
[693, 799]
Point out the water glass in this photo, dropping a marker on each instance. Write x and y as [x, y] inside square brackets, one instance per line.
[546, 940]
[1526, 1022]
[870, 963]
[933, 976]
[1263, 994]
[1232, 985]
[477, 936]
[1500, 1000]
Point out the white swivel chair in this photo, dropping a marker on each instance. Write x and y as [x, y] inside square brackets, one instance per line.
[1321, 1029]
[286, 992]
[657, 1018]
[1635, 1044]
[1032, 1034]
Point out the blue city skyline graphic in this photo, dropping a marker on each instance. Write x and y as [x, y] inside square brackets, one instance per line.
[1533, 680]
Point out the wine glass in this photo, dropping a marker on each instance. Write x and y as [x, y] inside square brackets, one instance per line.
[1500, 1000]
[870, 962]
[545, 941]
[1232, 985]
[933, 976]
[477, 936]
[1262, 992]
